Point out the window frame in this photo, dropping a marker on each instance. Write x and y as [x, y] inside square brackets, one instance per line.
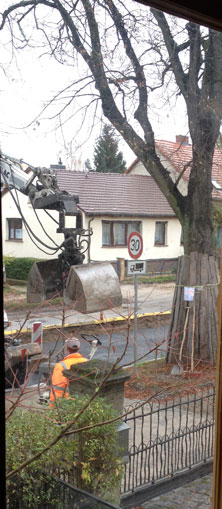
[164, 243]
[11, 226]
[126, 234]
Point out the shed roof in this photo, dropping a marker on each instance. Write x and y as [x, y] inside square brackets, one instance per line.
[114, 194]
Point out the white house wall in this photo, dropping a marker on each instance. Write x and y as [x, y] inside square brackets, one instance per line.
[182, 185]
[139, 169]
[172, 249]
[25, 247]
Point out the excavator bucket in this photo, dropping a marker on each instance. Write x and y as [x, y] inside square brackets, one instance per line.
[43, 281]
[90, 287]
[93, 287]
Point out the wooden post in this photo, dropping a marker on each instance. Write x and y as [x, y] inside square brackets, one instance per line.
[217, 468]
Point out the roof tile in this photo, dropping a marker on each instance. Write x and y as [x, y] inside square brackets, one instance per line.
[180, 155]
[115, 194]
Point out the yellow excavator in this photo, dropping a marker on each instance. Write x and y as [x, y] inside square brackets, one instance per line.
[89, 287]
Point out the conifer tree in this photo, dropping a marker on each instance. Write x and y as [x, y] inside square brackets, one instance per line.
[107, 158]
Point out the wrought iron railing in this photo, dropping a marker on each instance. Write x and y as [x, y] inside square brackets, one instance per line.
[63, 496]
[169, 435]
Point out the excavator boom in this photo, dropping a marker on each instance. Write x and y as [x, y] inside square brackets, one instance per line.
[89, 287]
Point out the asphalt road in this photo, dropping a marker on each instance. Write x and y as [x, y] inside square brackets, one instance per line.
[151, 299]
[113, 346]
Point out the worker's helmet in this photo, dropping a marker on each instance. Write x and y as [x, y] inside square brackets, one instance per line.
[72, 343]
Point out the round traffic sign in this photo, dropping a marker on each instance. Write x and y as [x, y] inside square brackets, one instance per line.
[135, 245]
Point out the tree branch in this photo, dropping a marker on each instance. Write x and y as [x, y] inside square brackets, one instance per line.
[144, 150]
[173, 51]
[141, 112]
[23, 3]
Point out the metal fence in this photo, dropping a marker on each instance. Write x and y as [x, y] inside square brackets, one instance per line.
[169, 436]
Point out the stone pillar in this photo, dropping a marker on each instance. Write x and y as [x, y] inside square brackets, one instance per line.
[84, 378]
[87, 378]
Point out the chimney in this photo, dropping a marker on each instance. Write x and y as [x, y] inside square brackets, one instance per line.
[58, 166]
[182, 140]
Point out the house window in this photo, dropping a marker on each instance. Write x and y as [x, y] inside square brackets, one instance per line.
[116, 233]
[160, 233]
[14, 229]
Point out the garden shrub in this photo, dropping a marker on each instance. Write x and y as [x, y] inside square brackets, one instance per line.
[92, 455]
[18, 268]
[96, 456]
[27, 432]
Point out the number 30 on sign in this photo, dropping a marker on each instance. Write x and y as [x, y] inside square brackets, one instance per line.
[135, 245]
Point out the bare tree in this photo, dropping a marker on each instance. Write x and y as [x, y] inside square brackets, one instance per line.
[130, 54]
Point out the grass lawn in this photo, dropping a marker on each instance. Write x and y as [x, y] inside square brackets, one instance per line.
[152, 279]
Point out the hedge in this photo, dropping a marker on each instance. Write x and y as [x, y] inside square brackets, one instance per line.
[18, 268]
[89, 459]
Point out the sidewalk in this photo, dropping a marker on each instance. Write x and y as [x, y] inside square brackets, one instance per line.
[152, 300]
[195, 495]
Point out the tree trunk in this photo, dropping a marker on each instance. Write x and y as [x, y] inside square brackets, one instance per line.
[193, 328]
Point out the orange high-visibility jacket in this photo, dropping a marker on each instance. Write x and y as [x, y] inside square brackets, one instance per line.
[59, 381]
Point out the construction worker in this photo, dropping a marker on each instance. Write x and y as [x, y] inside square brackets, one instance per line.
[60, 384]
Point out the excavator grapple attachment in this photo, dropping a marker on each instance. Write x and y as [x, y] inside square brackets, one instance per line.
[93, 287]
[44, 281]
[89, 287]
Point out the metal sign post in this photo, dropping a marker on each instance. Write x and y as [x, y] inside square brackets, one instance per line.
[135, 249]
[135, 320]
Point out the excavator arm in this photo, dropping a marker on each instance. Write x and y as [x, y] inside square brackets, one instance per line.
[44, 193]
[89, 287]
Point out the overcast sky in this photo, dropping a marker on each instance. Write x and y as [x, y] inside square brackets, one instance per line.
[27, 86]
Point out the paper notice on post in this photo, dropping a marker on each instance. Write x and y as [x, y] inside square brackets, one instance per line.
[189, 293]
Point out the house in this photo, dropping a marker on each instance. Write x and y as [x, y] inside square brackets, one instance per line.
[112, 204]
[115, 204]
[176, 157]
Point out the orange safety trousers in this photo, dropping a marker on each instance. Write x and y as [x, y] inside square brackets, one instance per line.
[60, 384]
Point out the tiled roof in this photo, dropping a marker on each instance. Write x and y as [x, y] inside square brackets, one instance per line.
[179, 155]
[115, 194]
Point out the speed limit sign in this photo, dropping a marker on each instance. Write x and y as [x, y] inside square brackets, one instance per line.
[135, 245]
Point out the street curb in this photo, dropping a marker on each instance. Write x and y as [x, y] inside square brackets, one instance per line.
[94, 322]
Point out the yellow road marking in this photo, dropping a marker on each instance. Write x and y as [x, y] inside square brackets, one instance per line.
[93, 322]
